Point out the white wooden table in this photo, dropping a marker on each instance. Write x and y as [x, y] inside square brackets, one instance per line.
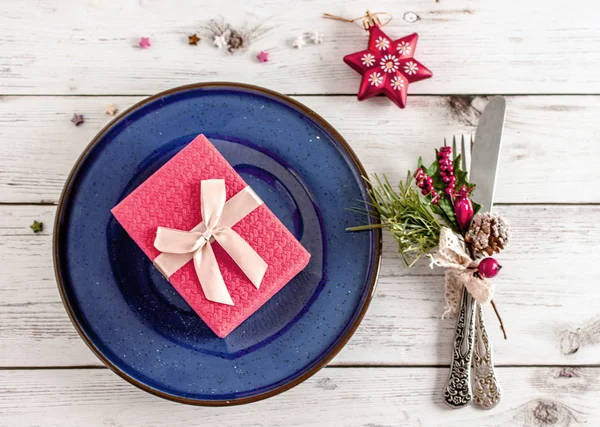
[62, 57]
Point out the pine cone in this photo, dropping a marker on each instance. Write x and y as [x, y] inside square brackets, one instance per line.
[488, 234]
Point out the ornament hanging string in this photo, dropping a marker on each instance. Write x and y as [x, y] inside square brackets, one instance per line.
[368, 19]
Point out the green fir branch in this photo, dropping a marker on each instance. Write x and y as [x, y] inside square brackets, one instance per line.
[406, 214]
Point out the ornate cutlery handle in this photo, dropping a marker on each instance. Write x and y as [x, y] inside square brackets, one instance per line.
[486, 389]
[457, 392]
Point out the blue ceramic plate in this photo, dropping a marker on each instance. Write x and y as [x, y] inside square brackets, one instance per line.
[133, 319]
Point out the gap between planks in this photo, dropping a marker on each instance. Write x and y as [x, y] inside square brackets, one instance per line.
[351, 366]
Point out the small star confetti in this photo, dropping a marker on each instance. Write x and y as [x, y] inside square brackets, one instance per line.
[145, 42]
[111, 110]
[298, 42]
[316, 37]
[193, 39]
[77, 119]
[37, 226]
[220, 41]
[263, 56]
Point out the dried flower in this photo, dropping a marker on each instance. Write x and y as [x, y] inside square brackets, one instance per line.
[37, 226]
[235, 42]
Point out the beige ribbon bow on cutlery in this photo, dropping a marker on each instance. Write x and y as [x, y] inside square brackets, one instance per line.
[178, 247]
[461, 271]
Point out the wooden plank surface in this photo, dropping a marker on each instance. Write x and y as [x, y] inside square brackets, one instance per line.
[349, 397]
[548, 321]
[74, 47]
[544, 53]
[549, 155]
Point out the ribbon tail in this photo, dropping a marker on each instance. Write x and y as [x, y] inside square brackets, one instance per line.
[174, 241]
[210, 276]
[481, 289]
[250, 262]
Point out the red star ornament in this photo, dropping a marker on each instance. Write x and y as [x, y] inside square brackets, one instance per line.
[387, 66]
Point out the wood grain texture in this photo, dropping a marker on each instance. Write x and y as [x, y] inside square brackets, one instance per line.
[73, 47]
[547, 293]
[349, 397]
[549, 154]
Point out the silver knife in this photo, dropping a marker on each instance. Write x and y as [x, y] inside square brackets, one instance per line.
[485, 158]
[457, 391]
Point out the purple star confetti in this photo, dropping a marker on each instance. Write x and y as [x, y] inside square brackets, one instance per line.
[145, 42]
[77, 119]
[262, 56]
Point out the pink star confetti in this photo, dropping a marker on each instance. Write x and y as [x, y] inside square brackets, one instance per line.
[77, 119]
[145, 42]
[263, 56]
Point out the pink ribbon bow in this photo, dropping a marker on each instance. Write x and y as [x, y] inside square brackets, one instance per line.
[178, 247]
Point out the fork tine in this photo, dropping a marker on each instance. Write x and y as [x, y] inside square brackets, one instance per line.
[454, 151]
[466, 155]
[445, 144]
[463, 163]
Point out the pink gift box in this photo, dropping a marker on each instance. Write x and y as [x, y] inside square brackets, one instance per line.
[171, 198]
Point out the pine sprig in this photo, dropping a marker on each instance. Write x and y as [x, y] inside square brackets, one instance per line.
[406, 214]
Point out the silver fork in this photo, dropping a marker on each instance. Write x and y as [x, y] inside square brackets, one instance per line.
[470, 327]
[457, 391]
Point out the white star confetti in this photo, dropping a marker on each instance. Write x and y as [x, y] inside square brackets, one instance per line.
[221, 41]
[316, 37]
[111, 110]
[298, 42]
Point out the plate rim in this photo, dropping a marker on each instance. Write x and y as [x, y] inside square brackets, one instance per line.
[68, 186]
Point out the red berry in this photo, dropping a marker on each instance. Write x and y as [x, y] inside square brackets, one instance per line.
[424, 192]
[463, 211]
[429, 180]
[446, 179]
[489, 267]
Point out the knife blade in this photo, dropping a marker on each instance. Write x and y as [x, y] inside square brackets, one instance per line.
[485, 154]
[485, 157]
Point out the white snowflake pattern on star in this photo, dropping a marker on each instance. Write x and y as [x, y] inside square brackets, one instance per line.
[382, 43]
[389, 63]
[404, 48]
[368, 60]
[376, 79]
[397, 83]
[298, 42]
[410, 68]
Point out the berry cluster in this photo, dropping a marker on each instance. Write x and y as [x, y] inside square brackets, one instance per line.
[447, 170]
[425, 183]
